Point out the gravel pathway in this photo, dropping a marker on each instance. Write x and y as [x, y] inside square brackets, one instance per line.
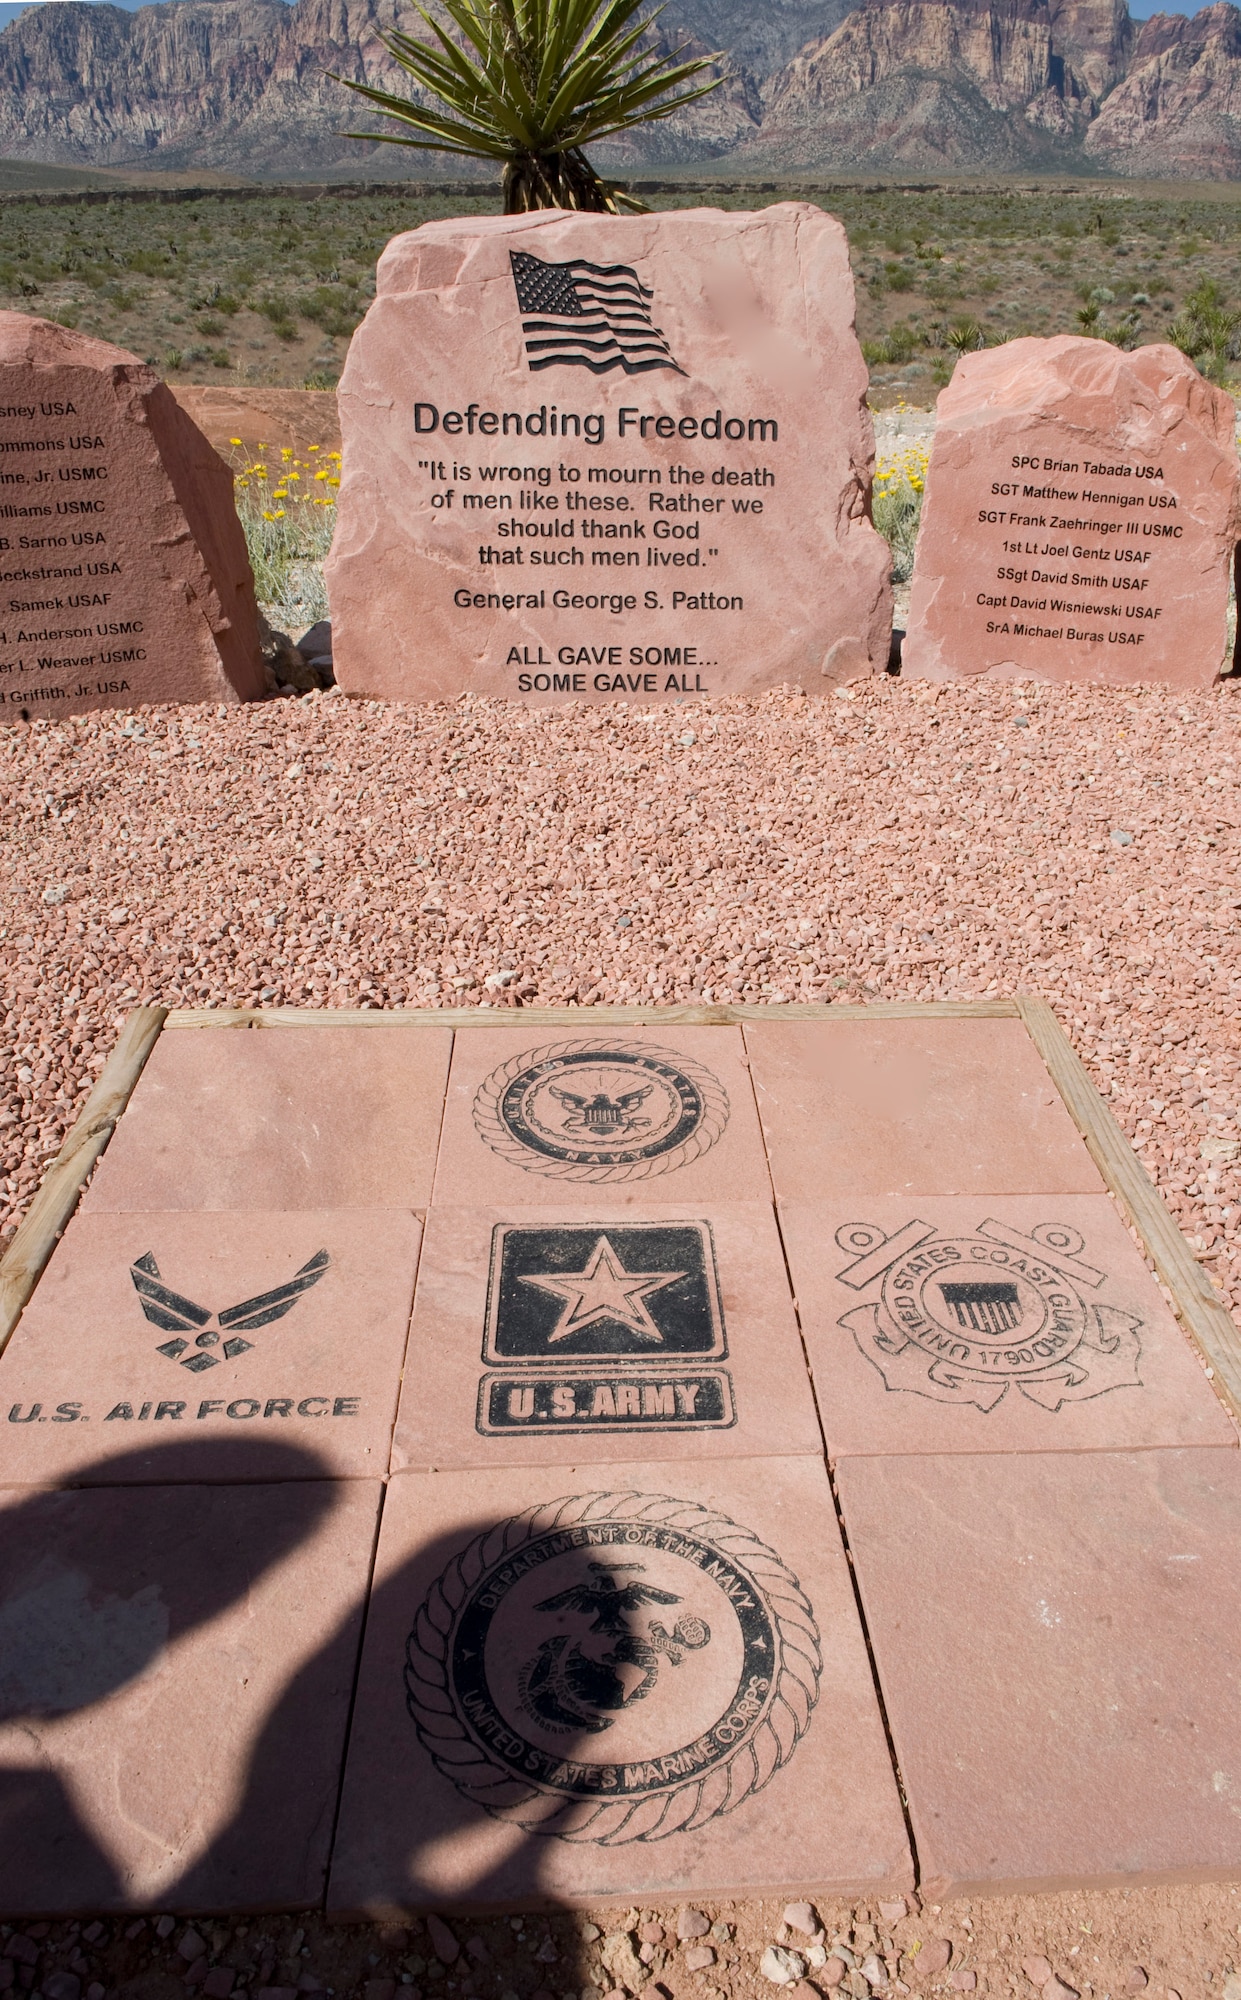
[889, 842]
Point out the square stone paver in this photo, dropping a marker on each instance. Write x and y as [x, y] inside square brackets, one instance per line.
[632, 1113]
[980, 1324]
[583, 1690]
[912, 1106]
[1056, 1640]
[539, 1338]
[177, 1671]
[152, 1331]
[243, 1118]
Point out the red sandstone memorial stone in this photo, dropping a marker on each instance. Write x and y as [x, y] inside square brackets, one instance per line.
[1056, 1639]
[608, 457]
[588, 1689]
[540, 1338]
[148, 1332]
[858, 1107]
[124, 566]
[264, 1118]
[984, 1323]
[177, 1674]
[1080, 517]
[627, 1113]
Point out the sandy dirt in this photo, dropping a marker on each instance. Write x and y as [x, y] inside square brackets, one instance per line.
[1107, 1945]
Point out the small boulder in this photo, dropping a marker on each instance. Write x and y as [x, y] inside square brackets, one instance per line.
[935, 1956]
[801, 1917]
[443, 1943]
[781, 1967]
[692, 1924]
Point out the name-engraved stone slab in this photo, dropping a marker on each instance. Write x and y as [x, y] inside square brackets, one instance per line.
[280, 1118]
[610, 458]
[178, 1666]
[667, 1662]
[541, 1336]
[924, 1106]
[150, 1330]
[1063, 1700]
[1080, 518]
[991, 1324]
[621, 1113]
[124, 576]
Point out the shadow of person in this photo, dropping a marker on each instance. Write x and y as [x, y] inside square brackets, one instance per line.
[97, 1581]
[572, 1659]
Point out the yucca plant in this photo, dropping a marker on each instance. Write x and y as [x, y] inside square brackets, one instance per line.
[1206, 332]
[531, 83]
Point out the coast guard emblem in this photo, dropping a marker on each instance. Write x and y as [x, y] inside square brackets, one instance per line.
[971, 1319]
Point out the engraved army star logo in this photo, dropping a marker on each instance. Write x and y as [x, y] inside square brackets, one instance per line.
[594, 1327]
[971, 1319]
[604, 1291]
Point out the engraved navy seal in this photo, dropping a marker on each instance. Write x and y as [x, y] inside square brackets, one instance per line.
[600, 1111]
[544, 1680]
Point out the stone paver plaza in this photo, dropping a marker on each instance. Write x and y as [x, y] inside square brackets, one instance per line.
[451, 1463]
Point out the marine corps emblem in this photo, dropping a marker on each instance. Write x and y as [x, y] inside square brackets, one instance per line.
[613, 1667]
[600, 1111]
[971, 1319]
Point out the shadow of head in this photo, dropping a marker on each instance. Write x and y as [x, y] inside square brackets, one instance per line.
[98, 1579]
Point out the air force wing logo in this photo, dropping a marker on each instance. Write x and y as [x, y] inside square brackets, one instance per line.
[216, 1336]
[971, 1319]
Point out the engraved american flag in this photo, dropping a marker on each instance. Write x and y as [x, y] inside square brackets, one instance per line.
[581, 315]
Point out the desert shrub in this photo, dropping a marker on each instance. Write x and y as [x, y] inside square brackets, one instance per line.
[288, 509]
[333, 308]
[897, 346]
[896, 505]
[281, 315]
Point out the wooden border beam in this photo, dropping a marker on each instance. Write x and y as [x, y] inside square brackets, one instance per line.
[698, 1015]
[1202, 1312]
[24, 1261]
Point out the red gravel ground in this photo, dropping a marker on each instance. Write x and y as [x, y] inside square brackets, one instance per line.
[899, 842]
[893, 841]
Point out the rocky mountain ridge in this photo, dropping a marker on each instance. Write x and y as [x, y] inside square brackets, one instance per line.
[891, 85]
